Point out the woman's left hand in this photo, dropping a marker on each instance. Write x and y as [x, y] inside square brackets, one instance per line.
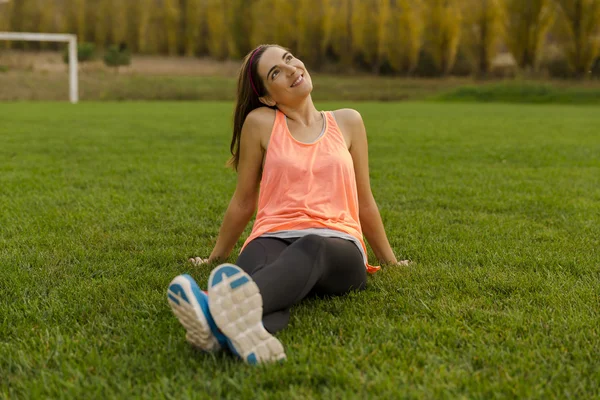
[198, 261]
[404, 263]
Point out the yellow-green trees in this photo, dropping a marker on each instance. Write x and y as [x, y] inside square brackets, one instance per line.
[239, 22]
[365, 18]
[363, 33]
[142, 11]
[117, 17]
[217, 29]
[78, 10]
[5, 25]
[48, 16]
[24, 17]
[274, 21]
[384, 30]
[400, 33]
[264, 24]
[337, 39]
[443, 21]
[310, 31]
[5, 12]
[101, 23]
[482, 32]
[172, 24]
[579, 32]
[527, 23]
[20, 15]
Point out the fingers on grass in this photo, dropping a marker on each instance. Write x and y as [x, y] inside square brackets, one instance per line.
[197, 260]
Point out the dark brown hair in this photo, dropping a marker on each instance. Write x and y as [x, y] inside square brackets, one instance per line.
[247, 99]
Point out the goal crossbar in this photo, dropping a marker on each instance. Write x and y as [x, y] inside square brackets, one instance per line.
[54, 37]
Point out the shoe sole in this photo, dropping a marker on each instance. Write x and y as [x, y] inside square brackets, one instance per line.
[236, 306]
[189, 312]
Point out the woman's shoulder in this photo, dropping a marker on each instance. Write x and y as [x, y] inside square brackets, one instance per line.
[261, 117]
[347, 116]
[349, 122]
[259, 122]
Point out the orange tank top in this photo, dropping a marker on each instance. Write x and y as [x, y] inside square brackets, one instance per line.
[308, 185]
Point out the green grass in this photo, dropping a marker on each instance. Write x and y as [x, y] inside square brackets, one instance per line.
[523, 92]
[498, 206]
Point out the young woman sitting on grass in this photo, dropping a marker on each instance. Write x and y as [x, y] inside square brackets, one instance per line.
[314, 204]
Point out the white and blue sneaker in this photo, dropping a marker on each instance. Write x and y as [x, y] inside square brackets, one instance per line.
[236, 305]
[190, 305]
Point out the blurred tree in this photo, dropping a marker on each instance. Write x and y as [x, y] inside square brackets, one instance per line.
[194, 21]
[310, 31]
[240, 25]
[263, 29]
[579, 33]
[443, 22]
[336, 41]
[6, 12]
[119, 16]
[48, 14]
[286, 17]
[482, 32]
[365, 17]
[527, 23]
[74, 12]
[19, 15]
[216, 12]
[23, 18]
[78, 10]
[401, 31]
[142, 13]
[384, 27]
[172, 15]
[117, 56]
[274, 21]
[157, 37]
[102, 21]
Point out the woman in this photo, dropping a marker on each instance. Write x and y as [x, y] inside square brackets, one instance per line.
[314, 205]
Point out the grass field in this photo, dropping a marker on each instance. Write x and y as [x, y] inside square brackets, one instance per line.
[497, 205]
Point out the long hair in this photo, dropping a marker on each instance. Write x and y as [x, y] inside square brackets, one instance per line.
[248, 93]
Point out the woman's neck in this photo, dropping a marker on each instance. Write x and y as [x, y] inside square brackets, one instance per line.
[304, 113]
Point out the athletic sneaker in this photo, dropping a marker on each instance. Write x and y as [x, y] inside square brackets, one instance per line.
[236, 306]
[190, 305]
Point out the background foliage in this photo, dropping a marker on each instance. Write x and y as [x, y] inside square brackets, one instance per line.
[422, 37]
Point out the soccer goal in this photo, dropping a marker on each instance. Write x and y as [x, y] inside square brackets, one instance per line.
[54, 37]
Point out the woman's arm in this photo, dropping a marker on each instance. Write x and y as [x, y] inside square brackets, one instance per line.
[236, 218]
[244, 201]
[370, 218]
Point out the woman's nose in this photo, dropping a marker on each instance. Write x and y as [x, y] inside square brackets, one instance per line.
[291, 69]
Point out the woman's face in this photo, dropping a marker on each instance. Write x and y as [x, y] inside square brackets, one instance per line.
[285, 77]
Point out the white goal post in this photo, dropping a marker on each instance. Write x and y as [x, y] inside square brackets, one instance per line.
[54, 37]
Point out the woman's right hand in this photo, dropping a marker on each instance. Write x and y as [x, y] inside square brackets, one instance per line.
[198, 260]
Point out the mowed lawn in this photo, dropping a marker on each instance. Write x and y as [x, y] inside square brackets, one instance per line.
[498, 206]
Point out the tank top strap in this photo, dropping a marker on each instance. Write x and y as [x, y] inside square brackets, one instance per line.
[278, 131]
[334, 131]
[279, 121]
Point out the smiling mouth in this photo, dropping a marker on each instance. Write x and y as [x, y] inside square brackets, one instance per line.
[298, 81]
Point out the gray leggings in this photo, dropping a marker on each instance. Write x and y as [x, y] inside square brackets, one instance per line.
[288, 270]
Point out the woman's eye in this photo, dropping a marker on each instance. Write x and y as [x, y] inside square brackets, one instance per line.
[289, 57]
[274, 75]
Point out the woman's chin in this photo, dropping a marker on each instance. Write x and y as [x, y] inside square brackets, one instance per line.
[306, 90]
